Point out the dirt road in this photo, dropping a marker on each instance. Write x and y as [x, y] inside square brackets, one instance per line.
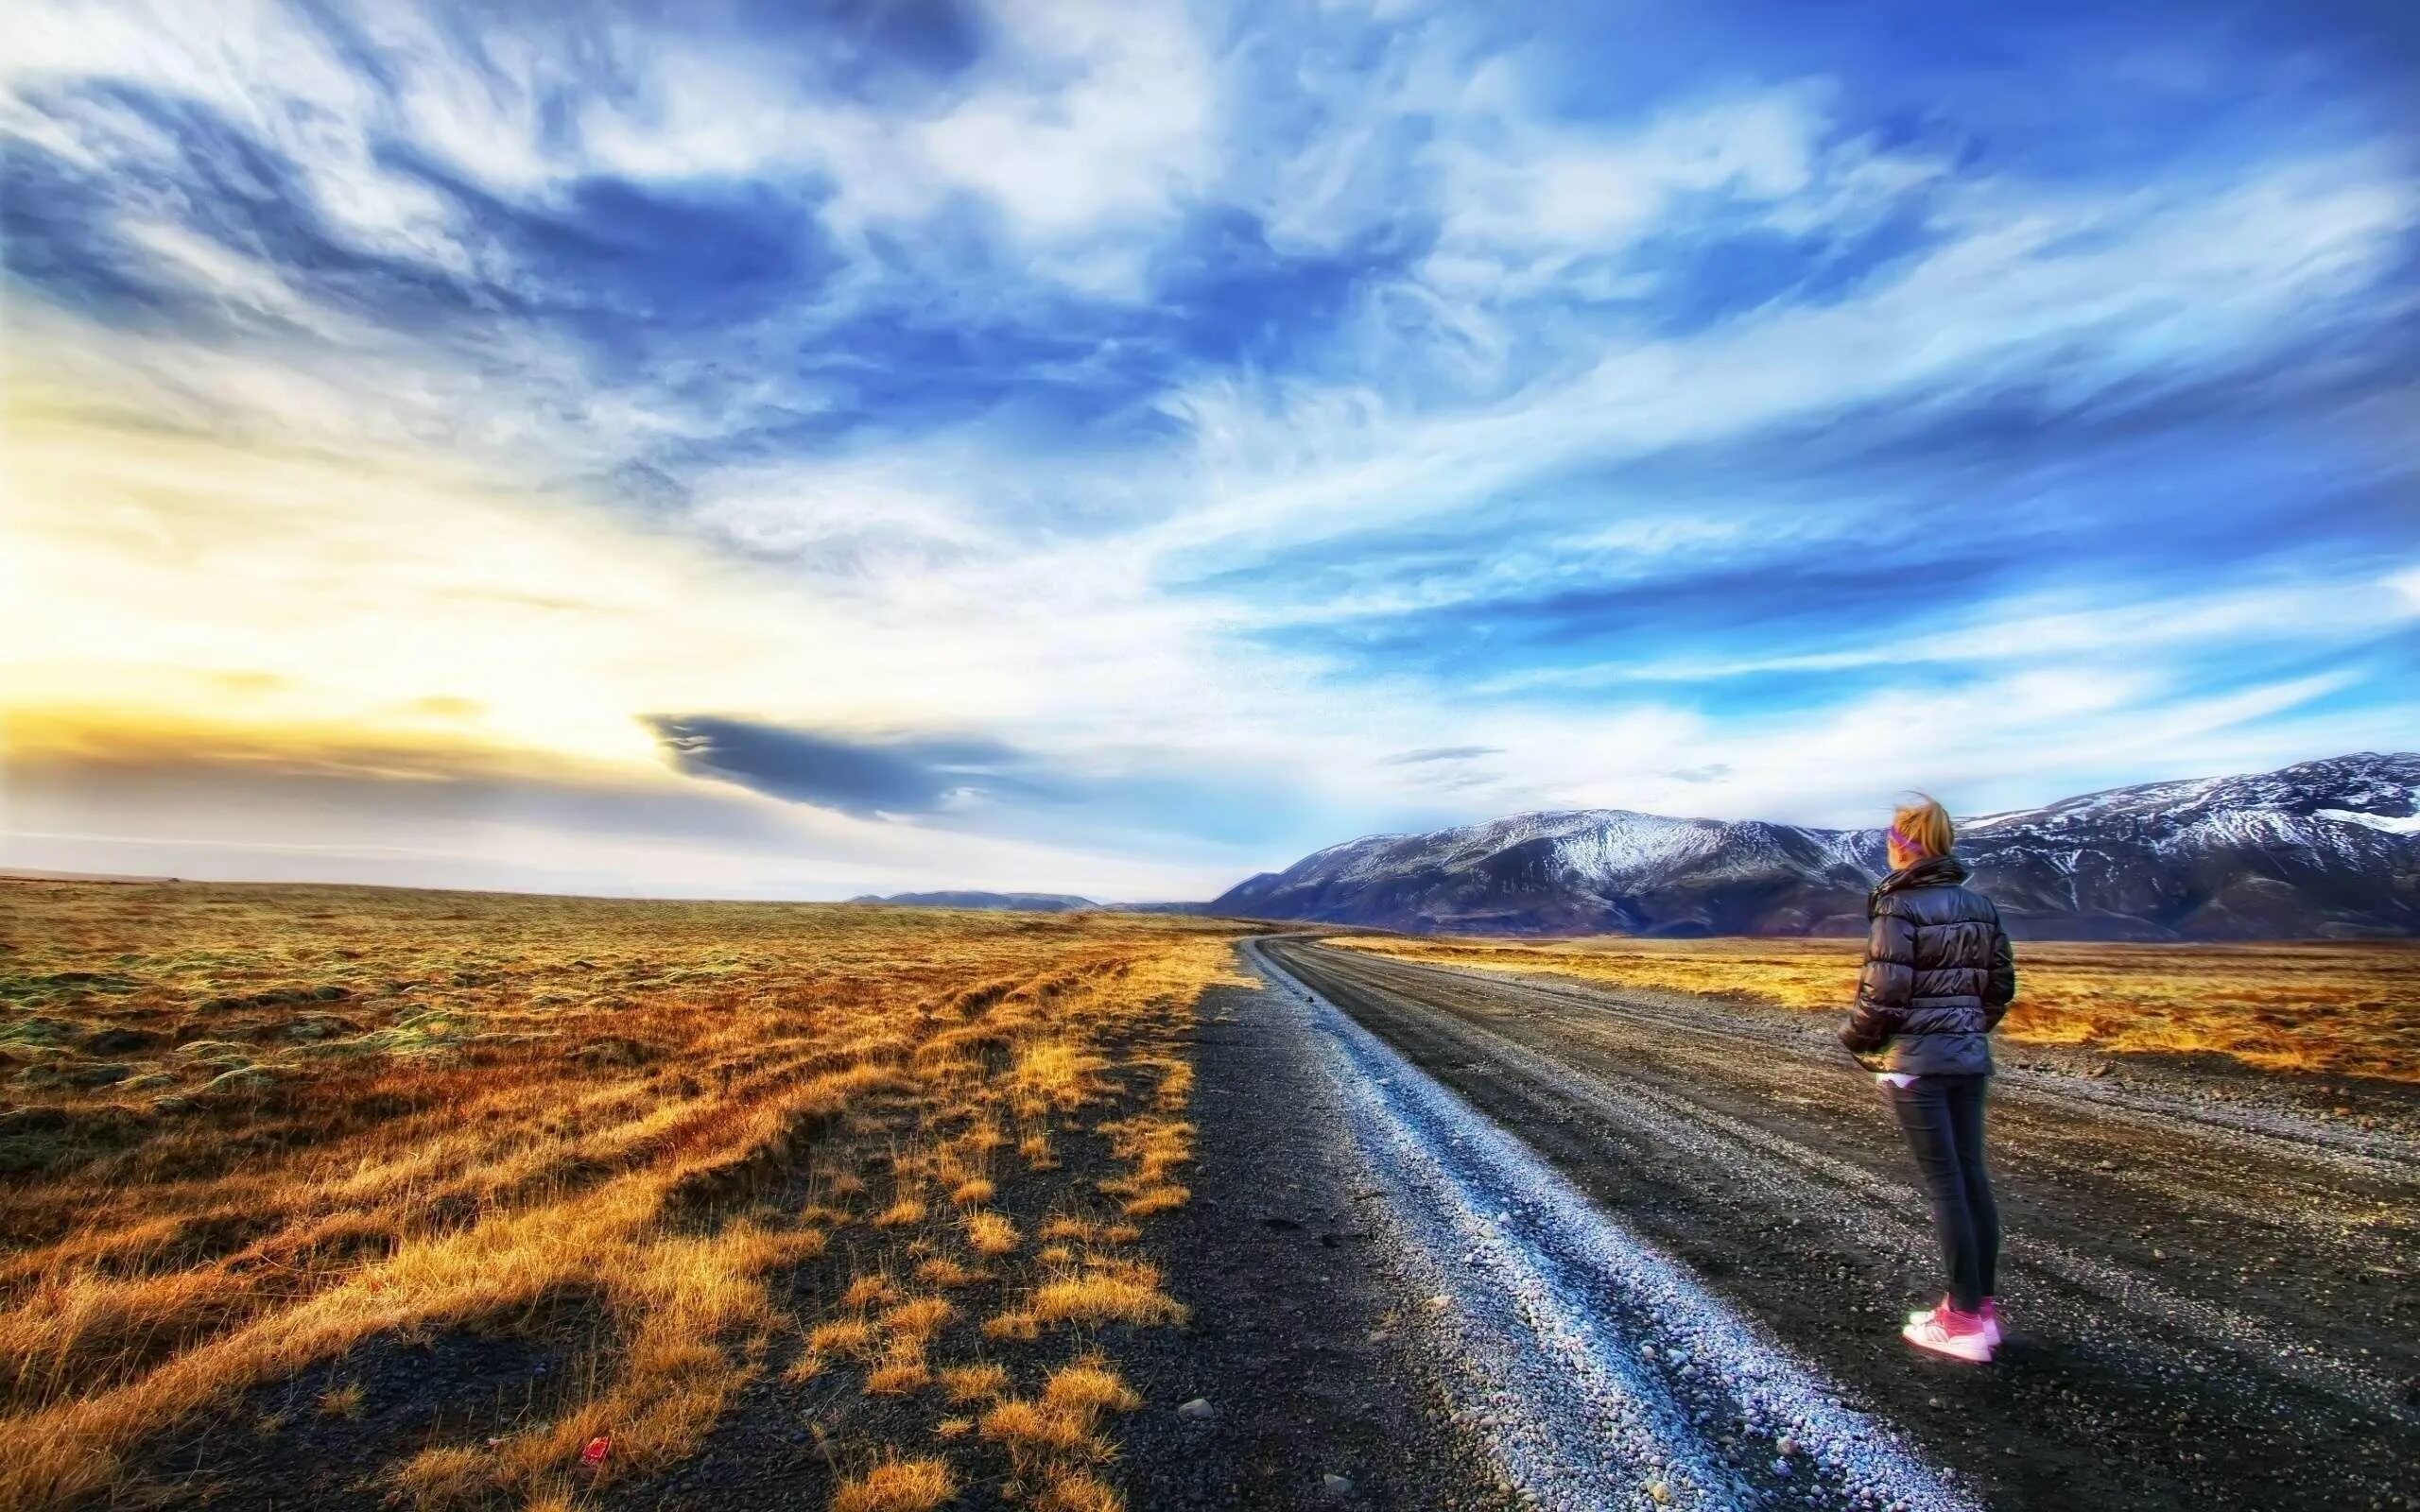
[2211, 1301]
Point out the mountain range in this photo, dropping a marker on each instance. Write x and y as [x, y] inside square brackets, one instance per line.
[1030, 902]
[2322, 850]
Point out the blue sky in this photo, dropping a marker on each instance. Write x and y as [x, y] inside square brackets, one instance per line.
[807, 449]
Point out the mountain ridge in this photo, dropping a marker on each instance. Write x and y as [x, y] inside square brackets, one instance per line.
[2326, 849]
[1032, 902]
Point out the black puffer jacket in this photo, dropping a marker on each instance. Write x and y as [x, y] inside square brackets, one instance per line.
[1938, 975]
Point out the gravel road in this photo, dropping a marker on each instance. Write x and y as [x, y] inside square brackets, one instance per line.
[2208, 1289]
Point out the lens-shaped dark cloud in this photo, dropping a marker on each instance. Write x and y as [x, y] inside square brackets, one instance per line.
[859, 775]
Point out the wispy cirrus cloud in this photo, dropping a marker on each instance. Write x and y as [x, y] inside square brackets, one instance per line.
[1195, 433]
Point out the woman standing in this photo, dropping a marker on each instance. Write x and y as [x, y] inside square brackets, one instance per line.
[1937, 976]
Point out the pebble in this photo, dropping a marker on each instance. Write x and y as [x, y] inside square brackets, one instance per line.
[1198, 1411]
[1335, 1485]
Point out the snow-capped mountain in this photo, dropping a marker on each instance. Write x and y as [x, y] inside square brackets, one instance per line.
[2321, 850]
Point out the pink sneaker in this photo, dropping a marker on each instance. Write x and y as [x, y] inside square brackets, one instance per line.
[1946, 1330]
[1991, 1317]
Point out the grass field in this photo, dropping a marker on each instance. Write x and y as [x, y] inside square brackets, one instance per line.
[248, 1130]
[2328, 1009]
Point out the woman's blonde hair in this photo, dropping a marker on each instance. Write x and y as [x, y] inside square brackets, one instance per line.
[1925, 825]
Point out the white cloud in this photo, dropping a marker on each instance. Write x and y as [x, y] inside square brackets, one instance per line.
[1520, 199]
[1101, 114]
[1086, 132]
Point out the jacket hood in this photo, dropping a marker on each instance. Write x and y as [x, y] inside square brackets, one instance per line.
[1933, 872]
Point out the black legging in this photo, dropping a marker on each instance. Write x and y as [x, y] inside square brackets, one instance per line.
[1944, 1120]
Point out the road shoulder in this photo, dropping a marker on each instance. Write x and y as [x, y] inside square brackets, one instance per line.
[1299, 1338]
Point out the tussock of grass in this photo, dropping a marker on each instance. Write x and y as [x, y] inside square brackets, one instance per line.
[1051, 1436]
[991, 1234]
[467, 1106]
[918, 1319]
[849, 1336]
[1162, 1198]
[1107, 1291]
[898, 1485]
[906, 1213]
[945, 1273]
[2333, 1009]
[898, 1374]
[1089, 1386]
[1031, 1428]
[980, 1381]
[1077, 1491]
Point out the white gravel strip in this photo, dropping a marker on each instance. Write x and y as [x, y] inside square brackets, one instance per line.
[1604, 1375]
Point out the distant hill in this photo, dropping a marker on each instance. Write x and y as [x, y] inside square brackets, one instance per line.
[2324, 849]
[1030, 902]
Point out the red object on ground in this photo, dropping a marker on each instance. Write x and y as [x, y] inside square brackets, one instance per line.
[595, 1453]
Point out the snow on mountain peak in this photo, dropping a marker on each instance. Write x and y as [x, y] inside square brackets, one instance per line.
[2384, 823]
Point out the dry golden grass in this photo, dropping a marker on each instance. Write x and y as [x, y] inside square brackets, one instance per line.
[944, 1272]
[975, 1383]
[2336, 1010]
[1156, 1146]
[989, 1233]
[1052, 1439]
[1105, 1290]
[898, 1485]
[851, 1337]
[253, 1127]
[901, 1371]
[1088, 1388]
[1076, 1491]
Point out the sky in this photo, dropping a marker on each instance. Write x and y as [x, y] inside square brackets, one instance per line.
[760, 449]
